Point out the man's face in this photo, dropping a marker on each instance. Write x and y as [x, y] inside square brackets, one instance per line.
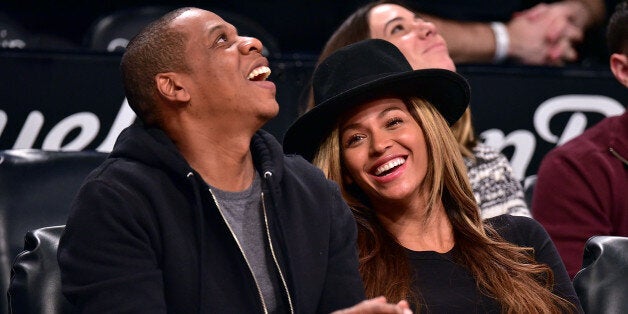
[228, 73]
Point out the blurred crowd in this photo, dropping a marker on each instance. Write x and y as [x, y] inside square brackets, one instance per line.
[539, 33]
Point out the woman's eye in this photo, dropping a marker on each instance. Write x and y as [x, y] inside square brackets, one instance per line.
[353, 139]
[397, 28]
[393, 122]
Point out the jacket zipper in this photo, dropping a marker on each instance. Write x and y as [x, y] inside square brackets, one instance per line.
[259, 291]
[617, 155]
[272, 252]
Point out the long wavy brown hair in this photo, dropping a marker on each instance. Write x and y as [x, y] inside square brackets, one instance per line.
[356, 28]
[503, 271]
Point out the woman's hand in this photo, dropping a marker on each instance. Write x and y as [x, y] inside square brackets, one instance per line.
[377, 305]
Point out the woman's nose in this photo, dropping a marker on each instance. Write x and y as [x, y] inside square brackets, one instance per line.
[380, 143]
[425, 29]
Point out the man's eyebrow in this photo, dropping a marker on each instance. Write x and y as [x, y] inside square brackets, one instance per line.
[216, 28]
[222, 27]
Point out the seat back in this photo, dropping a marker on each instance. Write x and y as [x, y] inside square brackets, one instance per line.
[37, 190]
[602, 283]
[12, 34]
[113, 31]
[35, 278]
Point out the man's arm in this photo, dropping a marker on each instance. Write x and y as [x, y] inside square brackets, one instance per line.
[343, 285]
[107, 261]
[475, 42]
[569, 202]
[585, 13]
[527, 32]
[468, 42]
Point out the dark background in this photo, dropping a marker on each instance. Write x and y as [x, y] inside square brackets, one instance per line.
[62, 78]
[300, 26]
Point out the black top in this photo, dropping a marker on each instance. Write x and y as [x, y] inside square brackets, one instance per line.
[447, 287]
[146, 236]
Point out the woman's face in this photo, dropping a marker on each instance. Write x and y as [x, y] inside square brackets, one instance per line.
[384, 151]
[418, 40]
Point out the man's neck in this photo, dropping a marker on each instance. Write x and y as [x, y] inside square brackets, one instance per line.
[222, 158]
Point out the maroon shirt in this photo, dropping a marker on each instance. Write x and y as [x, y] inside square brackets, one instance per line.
[582, 189]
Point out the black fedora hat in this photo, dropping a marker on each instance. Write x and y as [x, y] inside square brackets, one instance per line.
[365, 71]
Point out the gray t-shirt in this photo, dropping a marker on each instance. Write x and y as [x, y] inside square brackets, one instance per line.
[243, 212]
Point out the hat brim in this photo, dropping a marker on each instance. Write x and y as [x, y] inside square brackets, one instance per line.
[447, 91]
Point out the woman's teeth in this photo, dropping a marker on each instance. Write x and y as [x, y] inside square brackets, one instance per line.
[389, 165]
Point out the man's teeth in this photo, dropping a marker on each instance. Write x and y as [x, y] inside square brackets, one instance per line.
[389, 165]
[264, 71]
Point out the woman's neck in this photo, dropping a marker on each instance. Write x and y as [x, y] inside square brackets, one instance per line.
[417, 230]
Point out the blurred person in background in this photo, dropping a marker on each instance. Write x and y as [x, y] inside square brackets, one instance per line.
[582, 186]
[496, 189]
[526, 32]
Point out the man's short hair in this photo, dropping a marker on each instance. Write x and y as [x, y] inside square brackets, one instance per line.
[617, 30]
[158, 48]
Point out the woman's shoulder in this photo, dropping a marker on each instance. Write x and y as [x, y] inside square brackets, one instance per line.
[487, 157]
[520, 230]
[510, 220]
[483, 151]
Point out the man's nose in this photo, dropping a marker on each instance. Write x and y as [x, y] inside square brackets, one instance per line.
[250, 44]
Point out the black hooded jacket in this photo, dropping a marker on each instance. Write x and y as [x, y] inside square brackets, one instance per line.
[145, 236]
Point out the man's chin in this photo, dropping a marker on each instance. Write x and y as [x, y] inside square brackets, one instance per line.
[271, 112]
[266, 116]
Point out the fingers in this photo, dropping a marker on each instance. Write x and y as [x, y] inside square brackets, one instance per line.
[561, 28]
[547, 36]
[377, 305]
[556, 29]
[534, 12]
[561, 52]
[573, 33]
[405, 306]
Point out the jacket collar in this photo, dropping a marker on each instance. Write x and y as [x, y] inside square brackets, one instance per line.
[153, 147]
[267, 155]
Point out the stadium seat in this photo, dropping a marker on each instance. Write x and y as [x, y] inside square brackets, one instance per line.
[113, 31]
[37, 190]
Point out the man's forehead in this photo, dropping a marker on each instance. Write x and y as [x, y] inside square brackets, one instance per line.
[197, 15]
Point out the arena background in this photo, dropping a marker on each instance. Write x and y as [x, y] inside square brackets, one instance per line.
[60, 94]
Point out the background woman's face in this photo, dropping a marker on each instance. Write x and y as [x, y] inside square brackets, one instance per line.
[418, 40]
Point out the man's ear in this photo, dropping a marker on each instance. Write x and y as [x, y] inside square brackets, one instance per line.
[619, 66]
[170, 87]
